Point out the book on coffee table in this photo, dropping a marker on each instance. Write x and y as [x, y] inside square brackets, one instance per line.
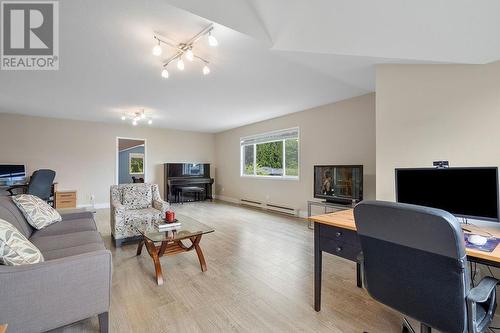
[168, 226]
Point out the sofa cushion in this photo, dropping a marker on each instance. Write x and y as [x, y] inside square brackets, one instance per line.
[66, 227]
[73, 251]
[137, 196]
[9, 212]
[15, 249]
[56, 242]
[37, 212]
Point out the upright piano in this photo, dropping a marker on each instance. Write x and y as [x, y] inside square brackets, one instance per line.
[186, 174]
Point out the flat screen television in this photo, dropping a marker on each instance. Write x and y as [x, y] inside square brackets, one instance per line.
[338, 183]
[464, 192]
[12, 173]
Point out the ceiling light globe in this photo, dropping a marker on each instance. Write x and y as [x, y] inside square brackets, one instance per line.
[157, 50]
[206, 70]
[150, 121]
[212, 41]
[180, 64]
[164, 74]
[190, 55]
[134, 122]
[124, 118]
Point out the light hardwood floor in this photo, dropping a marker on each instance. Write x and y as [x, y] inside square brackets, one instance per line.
[259, 279]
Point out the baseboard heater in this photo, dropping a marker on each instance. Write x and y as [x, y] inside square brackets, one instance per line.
[251, 203]
[282, 209]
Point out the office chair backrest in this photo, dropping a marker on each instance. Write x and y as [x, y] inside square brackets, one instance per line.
[415, 262]
[41, 183]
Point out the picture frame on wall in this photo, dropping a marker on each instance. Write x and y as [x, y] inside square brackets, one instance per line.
[136, 164]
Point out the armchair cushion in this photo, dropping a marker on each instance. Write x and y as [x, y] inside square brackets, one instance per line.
[15, 249]
[137, 196]
[37, 212]
[131, 219]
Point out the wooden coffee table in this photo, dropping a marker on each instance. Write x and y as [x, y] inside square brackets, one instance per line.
[173, 242]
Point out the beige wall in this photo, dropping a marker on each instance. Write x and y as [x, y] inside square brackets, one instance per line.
[339, 133]
[436, 112]
[84, 153]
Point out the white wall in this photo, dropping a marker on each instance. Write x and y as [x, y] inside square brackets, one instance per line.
[84, 153]
[339, 133]
[435, 112]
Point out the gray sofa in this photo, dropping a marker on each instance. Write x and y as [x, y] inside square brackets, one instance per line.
[73, 283]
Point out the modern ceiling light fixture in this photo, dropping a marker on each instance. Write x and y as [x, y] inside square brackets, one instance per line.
[206, 70]
[185, 49]
[138, 116]
[157, 49]
[212, 41]
[190, 55]
[180, 64]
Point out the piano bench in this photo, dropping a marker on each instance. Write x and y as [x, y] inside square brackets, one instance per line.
[197, 191]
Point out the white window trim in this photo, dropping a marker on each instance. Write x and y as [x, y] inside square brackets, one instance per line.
[284, 177]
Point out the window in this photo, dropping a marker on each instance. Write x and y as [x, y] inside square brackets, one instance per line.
[274, 155]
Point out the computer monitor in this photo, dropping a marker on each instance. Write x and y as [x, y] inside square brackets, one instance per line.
[464, 192]
[12, 173]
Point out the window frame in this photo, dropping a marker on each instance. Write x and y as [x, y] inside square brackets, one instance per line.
[255, 175]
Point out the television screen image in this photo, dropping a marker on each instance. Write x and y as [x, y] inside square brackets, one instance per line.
[464, 192]
[12, 173]
[338, 183]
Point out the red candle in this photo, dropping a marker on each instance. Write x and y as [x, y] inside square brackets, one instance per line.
[169, 216]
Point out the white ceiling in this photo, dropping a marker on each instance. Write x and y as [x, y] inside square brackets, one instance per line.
[274, 56]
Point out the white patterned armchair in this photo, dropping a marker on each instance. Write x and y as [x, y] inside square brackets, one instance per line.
[132, 206]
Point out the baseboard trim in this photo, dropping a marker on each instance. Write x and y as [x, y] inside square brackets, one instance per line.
[227, 199]
[96, 206]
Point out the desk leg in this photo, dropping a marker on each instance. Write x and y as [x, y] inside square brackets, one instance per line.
[317, 268]
[359, 282]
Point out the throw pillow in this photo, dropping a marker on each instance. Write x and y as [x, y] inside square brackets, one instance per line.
[37, 212]
[15, 249]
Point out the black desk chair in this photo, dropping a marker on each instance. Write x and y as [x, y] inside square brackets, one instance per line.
[40, 184]
[414, 261]
[137, 180]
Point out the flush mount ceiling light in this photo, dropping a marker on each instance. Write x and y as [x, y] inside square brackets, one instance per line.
[138, 116]
[184, 49]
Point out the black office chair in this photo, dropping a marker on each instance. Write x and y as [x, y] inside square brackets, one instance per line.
[414, 261]
[40, 184]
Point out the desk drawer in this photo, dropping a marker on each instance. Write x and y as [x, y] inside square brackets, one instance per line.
[66, 195]
[340, 234]
[339, 248]
[65, 199]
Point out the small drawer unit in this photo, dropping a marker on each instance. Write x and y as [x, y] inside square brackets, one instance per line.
[65, 199]
[339, 241]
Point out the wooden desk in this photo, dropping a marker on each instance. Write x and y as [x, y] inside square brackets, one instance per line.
[335, 233]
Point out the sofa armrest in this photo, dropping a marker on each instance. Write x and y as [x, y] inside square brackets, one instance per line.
[161, 205]
[117, 207]
[47, 295]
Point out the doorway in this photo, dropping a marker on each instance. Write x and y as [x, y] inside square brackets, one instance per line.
[130, 160]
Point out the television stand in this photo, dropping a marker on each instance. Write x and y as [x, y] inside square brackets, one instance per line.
[333, 206]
